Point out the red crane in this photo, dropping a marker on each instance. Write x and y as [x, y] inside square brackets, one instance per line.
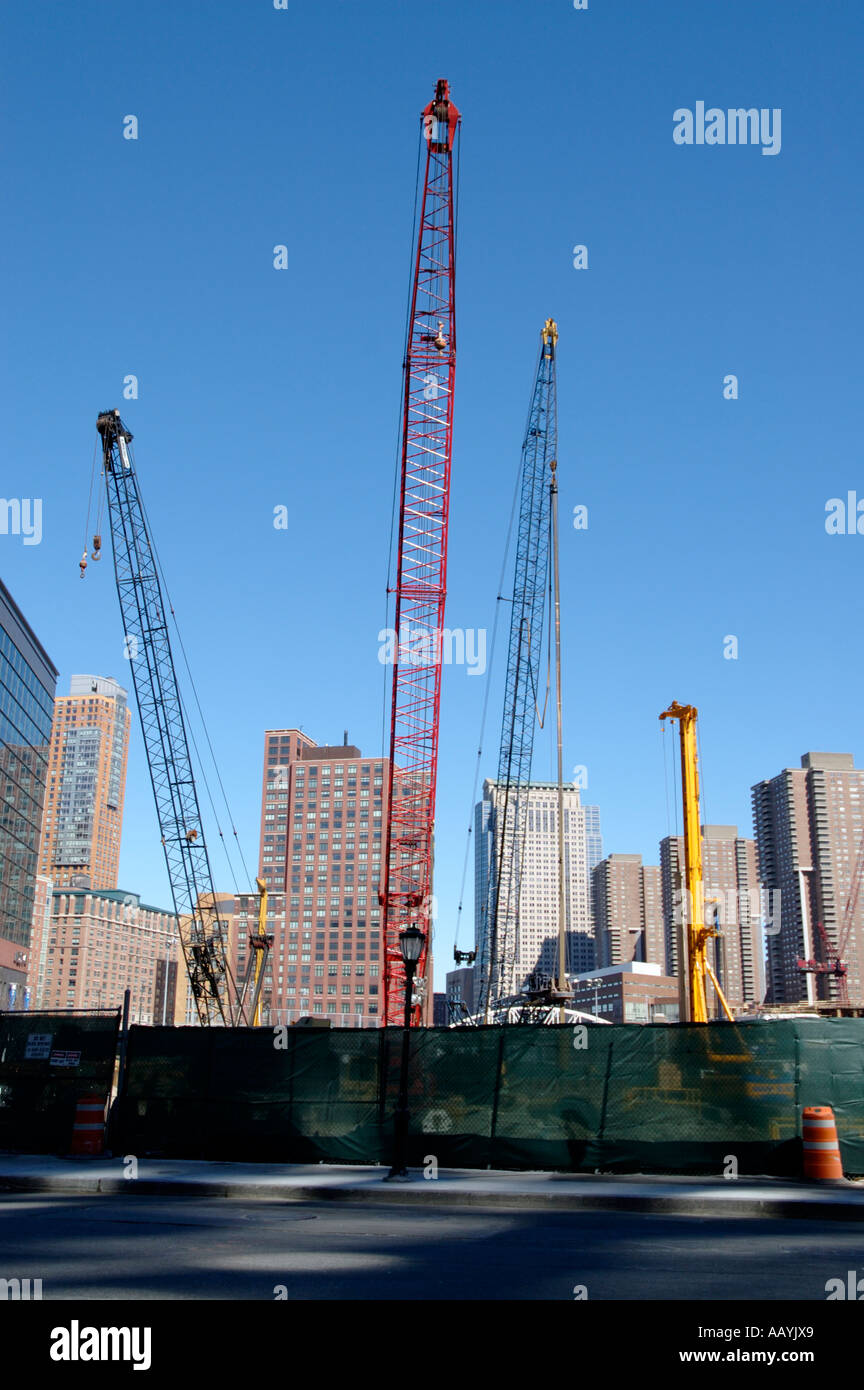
[834, 962]
[421, 577]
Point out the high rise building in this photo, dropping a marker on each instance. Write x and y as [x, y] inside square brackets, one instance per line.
[732, 904]
[534, 950]
[96, 944]
[628, 911]
[28, 680]
[653, 930]
[593, 838]
[83, 819]
[809, 823]
[460, 989]
[323, 812]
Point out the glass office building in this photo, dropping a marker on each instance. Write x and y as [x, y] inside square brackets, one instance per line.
[28, 680]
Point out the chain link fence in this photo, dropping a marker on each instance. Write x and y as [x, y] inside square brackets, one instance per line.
[48, 1061]
[664, 1099]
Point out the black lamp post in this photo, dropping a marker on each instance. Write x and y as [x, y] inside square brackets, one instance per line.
[410, 944]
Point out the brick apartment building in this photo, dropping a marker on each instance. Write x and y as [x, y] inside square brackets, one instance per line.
[95, 943]
[628, 910]
[809, 823]
[323, 814]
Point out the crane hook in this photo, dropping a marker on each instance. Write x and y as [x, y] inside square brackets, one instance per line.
[96, 552]
[82, 564]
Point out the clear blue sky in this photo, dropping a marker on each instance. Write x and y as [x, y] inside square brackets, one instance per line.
[260, 388]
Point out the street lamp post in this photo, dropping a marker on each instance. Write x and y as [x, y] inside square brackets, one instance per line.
[410, 944]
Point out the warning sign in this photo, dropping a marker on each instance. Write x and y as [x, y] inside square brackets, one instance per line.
[65, 1059]
[38, 1046]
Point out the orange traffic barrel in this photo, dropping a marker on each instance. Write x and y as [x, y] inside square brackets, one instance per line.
[88, 1131]
[821, 1149]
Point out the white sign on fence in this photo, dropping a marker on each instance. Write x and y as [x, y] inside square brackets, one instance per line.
[38, 1046]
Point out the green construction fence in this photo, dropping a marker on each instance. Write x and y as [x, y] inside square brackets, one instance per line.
[658, 1098]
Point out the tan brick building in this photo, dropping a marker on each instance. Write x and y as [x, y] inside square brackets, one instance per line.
[95, 944]
[628, 910]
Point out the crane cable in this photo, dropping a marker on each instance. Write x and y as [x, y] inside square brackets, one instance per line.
[492, 646]
[664, 757]
[203, 725]
[541, 719]
[397, 471]
[99, 505]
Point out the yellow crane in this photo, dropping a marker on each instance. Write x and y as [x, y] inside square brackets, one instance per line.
[694, 939]
[260, 946]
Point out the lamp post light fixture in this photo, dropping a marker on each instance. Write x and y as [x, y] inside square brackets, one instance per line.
[410, 945]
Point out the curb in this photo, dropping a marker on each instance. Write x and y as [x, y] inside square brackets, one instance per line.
[824, 1206]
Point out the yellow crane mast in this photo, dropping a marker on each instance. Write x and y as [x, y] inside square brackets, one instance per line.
[696, 934]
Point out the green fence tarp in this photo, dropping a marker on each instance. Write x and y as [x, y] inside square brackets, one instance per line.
[662, 1098]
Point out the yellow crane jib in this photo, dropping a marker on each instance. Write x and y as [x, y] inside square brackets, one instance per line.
[694, 939]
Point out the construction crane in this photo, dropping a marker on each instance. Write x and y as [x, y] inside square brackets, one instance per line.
[421, 574]
[833, 962]
[145, 624]
[508, 822]
[693, 964]
[260, 945]
[829, 962]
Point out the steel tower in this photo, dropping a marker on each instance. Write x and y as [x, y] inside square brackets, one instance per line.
[421, 575]
[523, 681]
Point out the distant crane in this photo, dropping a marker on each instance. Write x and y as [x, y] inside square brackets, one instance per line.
[145, 624]
[695, 967]
[421, 577]
[829, 962]
[530, 581]
[833, 962]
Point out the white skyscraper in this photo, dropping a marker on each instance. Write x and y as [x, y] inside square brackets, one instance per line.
[528, 934]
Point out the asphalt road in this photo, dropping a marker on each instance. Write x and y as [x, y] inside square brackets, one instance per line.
[159, 1248]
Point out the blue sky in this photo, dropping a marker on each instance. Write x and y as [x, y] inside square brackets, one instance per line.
[261, 388]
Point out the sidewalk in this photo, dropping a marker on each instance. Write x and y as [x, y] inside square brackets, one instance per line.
[688, 1196]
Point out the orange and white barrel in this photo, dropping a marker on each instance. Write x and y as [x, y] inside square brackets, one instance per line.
[88, 1131]
[821, 1147]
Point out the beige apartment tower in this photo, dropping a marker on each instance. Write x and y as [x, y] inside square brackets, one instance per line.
[628, 911]
[809, 823]
[86, 781]
[733, 904]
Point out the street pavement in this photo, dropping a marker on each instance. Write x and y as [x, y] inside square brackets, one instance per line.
[148, 1247]
[746, 1196]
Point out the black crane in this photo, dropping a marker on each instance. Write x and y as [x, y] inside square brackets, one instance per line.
[530, 582]
[202, 932]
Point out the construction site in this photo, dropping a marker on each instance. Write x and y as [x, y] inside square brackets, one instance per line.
[523, 1078]
[431, 757]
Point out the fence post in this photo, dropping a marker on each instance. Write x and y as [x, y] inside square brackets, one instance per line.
[383, 1066]
[605, 1101]
[499, 1066]
[123, 1051]
[292, 1033]
[115, 1114]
